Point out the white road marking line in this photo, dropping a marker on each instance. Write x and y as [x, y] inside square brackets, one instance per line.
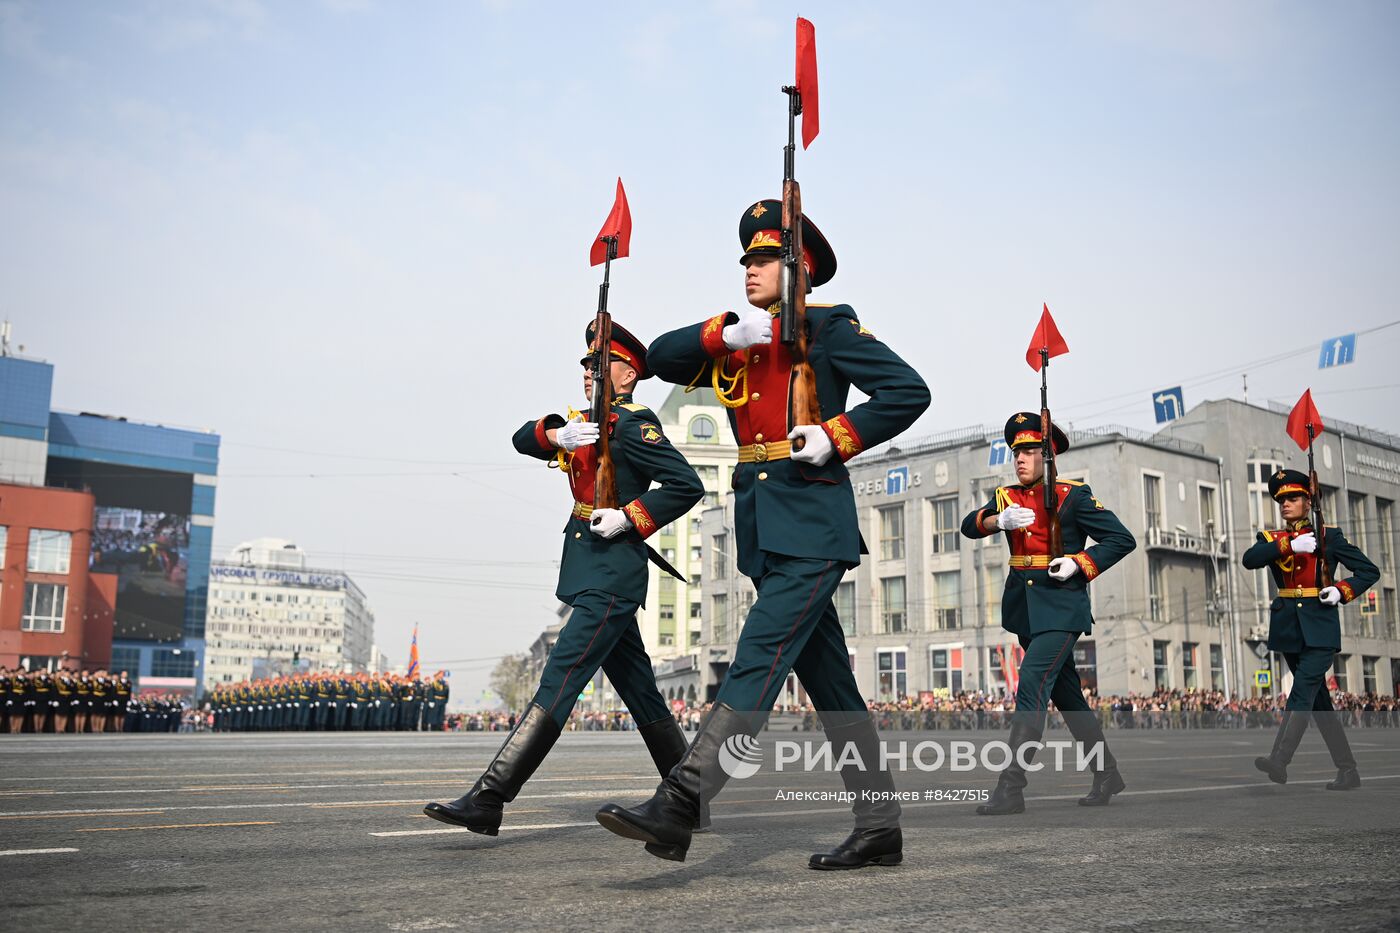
[4, 852]
[921, 804]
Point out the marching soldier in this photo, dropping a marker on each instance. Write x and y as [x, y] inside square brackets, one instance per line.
[121, 698]
[437, 702]
[1304, 623]
[1046, 605]
[796, 530]
[602, 576]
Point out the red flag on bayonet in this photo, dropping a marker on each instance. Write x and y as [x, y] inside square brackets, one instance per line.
[807, 79]
[1303, 414]
[618, 224]
[1047, 337]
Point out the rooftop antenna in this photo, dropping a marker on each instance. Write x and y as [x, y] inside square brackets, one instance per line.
[5, 339]
[1244, 377]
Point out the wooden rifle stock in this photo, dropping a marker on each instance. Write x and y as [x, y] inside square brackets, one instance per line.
[1047, 456]
[1324, 573]
[792, 319]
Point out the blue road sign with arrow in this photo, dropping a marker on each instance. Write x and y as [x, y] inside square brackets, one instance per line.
[1168, 405]
[997, 456]
[1337, 351]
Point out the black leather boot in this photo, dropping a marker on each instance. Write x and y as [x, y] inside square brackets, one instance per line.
[664, 822]
[1006, 797]
[480, 808]
[1290, 733]
[1088, 732]
[1348, 778]
[876, 839]
[667, 745]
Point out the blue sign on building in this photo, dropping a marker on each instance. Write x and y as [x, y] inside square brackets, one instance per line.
[896, 480]
[1168, 405]
[1337, 351]
[998, 454]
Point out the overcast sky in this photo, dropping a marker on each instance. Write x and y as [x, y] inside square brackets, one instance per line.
[352, 237]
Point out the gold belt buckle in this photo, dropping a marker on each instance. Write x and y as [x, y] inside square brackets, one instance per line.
[760, 453]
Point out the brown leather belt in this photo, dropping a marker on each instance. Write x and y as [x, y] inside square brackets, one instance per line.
[583, 510]
[762, 453]
[1298, 591]
[1028, 561]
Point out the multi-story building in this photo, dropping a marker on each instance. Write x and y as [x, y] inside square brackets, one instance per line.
[1358, 470]
[149, 521]
[270, 613]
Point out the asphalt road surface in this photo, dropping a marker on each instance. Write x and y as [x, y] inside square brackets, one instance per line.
[325, 831]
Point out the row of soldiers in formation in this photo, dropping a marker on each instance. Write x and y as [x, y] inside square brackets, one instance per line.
[797, 534]
[331, 702]
[63, 701]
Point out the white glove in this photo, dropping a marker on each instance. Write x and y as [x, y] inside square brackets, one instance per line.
[816, 446]
[576, 433]
[609, 523]
[1305, 543]
[1062, 568]
[756, 326]
[1330, 595]
[1015, 516]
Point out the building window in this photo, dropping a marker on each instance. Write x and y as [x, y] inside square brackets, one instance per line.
[1356, 515]
[126, 659]
[44, 605]
[945, 671]
[172, 663]
[695, 612]
[1152, 499]
[719, 617]
[1188, 665]
[1368, 674]
[708, 473]
[892, 532]
[1339, 670]
[1156, 593]
[1217, 668]
[1385, 528]
[1392, 622]
[892, 678]
[695, 553]
[892, 604]
[719, 560]
[945, 600]
[710, 499]
[945, 525]
[667, 584]
[846, 607]
[1161, 669]
[49, 551]
[702, 429]
[1263, 511]
[1209, 512]
[1086, 661]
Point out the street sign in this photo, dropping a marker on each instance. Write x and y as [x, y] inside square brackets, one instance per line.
[1337, 351]
[1263, 678]
[998, 454]
[1168, 405]
[896, 480]
[1261, 649]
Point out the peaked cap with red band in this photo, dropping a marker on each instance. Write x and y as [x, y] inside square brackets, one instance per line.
[761, 234]
[1023, 430]
[1286, 483]
[625, 347]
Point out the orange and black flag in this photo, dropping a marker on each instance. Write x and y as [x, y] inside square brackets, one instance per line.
[618, 224]
[413, 654]
[1047, 337]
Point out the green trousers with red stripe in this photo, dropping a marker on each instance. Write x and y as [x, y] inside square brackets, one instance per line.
[601, 632]
[793, 626]
[1048, 673]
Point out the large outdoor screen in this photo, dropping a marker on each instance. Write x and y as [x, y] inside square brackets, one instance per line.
[141, 533]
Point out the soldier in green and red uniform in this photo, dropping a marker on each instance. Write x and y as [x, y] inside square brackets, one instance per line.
[795, 528]
[1304, 623]
[602, 576]
[1046, 605]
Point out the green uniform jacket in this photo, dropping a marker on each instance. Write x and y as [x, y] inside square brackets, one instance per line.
[641, 456]
[1033, 602]
[782, 506]
[1302, 622]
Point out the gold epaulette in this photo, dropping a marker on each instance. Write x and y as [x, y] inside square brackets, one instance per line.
[1069, 482]
[632, 406]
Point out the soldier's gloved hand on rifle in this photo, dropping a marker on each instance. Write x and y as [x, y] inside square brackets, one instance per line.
[1330, 596]
[755, 326]
[1062, 568]
[1014, 517]
[576, 433]
[1305, 543]
[609, 523]
[816, 446]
